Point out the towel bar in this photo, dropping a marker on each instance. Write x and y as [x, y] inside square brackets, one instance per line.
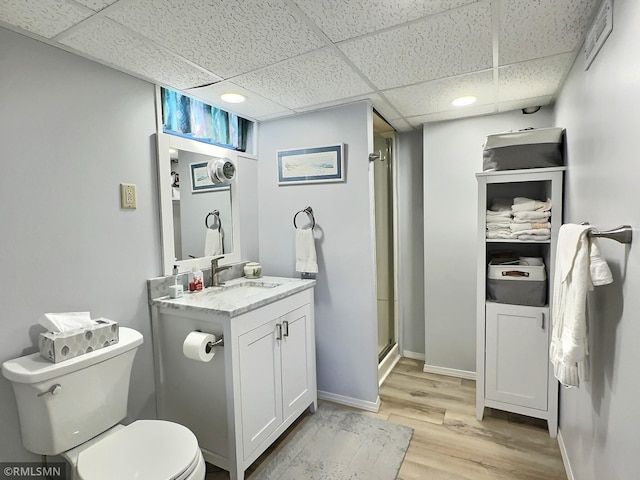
[622, 234]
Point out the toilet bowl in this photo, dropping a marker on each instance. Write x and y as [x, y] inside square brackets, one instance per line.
[74, 408]
[143, 450]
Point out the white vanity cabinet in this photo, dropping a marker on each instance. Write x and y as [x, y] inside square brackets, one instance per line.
[275, 375]
[513, 371]
[255, 386]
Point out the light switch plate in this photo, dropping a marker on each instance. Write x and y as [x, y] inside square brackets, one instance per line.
[128, 195]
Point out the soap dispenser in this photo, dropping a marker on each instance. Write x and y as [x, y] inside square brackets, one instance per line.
[175, 290]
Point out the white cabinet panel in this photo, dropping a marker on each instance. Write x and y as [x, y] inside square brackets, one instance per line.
[517, 355]
[260, 380]
[296, 366]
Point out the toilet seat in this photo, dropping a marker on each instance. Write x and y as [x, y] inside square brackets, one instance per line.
[144, 450]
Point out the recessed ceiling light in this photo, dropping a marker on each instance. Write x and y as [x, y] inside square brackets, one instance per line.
[463, 101]
[232, 97]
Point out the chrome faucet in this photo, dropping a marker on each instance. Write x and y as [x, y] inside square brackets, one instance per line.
[215, 269]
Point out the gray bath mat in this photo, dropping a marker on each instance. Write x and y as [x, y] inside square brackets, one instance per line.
[340, 444]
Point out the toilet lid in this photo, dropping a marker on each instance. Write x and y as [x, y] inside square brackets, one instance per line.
[144, 450]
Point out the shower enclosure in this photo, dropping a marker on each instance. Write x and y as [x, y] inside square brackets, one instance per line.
[383, 165]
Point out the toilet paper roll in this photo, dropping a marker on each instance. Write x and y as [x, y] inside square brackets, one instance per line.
[195, 346]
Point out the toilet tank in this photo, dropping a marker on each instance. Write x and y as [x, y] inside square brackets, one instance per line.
[62, 405]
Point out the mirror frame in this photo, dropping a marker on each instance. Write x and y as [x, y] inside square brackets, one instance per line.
[164, 143]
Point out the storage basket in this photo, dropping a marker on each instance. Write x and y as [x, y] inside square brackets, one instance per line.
[533, 148]
[517, 284]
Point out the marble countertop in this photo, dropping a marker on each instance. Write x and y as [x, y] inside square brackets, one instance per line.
[263, 290]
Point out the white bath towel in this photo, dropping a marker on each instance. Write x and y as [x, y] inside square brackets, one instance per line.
[523, 204]
[306, 259]
[579, 267]
[532, 231]
[524, 217]
[213, 243]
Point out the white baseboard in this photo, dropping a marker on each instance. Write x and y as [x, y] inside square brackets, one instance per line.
[565, 457]
[450, 372]
[413, 355]
[387, 364]
[350, 402]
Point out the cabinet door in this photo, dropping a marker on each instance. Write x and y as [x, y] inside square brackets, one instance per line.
[260, 384]
[517, 364]
[296, 365]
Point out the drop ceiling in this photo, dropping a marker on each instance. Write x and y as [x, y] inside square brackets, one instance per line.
[409, 57]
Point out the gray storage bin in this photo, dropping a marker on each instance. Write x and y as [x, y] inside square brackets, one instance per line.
[534, 148]
[517, 284]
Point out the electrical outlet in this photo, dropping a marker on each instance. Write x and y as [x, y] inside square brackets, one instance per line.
[127, 195]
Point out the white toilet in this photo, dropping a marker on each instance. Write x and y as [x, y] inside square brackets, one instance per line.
[72, 408]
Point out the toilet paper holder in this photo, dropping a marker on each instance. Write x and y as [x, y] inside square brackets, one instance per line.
[218, 343]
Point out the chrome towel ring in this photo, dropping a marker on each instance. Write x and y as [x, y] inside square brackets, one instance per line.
[309, 212]
[216, 219]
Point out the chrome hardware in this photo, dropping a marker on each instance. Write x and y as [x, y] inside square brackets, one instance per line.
[53, 390]
[286, 328]
[279, 331]
[542, 321]
[622, 234]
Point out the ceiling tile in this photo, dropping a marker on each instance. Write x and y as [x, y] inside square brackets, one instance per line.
[111, 44]
[255, 106]
[341, 20]
[436, 96]
[534, 78]
[443, 45]
[542, 28]
[451, 115]
[525, 102]
[96, 5]
[226, 37]
[315, 78]
[46, 18]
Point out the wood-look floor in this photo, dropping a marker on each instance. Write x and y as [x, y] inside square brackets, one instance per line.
[448, 442]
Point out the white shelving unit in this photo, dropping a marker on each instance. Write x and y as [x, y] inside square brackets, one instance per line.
[513, 369]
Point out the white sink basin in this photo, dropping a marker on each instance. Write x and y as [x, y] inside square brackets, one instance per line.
[242, 290]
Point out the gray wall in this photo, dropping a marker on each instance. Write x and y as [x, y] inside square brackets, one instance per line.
[410, 243]
[452, 156]
[345, 293]
[71, 131]
[599, 108]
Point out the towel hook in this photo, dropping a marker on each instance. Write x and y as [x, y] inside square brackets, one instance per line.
[309, 212]
[622, 234]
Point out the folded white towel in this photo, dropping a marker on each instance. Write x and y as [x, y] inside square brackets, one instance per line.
[519, 227]
[306, 259]
[213, 243]
[523, 217]
[503, 233]
[532, 231]
[522, 204]
[498, 226]
[503, 214]
[535, 238]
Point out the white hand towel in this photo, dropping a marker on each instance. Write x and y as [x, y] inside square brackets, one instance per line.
[213, 243]
[599, 269]
[66, 322]
[306, 260]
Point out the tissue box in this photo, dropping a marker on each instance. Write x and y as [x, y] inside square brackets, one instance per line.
[59, 346]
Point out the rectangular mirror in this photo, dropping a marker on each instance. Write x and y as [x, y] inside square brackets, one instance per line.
[198, 220]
